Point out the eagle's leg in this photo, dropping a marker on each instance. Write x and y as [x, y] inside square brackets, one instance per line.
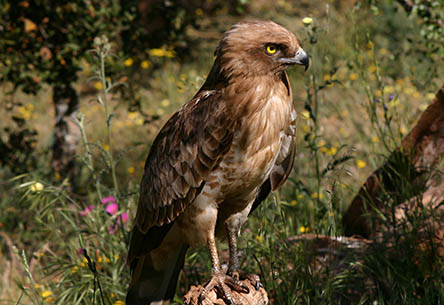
[219, 279]
[234, 265]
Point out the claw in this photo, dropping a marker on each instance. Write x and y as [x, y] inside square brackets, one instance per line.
[258, 285]
[253, 278]
[221, 281]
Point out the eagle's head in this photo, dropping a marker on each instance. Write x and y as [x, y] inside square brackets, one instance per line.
[254, 48]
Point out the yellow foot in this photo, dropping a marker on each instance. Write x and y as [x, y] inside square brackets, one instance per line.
[223, 282]
[238, 275]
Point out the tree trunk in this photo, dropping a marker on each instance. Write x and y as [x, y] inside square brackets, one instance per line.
[66, 133]
[421, 152]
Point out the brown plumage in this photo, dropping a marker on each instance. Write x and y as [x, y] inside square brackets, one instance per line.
[215, 160]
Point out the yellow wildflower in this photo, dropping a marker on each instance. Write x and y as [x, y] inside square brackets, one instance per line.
[259, 238]
[361, 163]
[378, 93]
[106, 147]
[323, 149]
[372, 68]
[383, 51]
[326, 77]
[37, 286]
[322, 142]
[375, 139]
[74, 269]
[305, 114]
[293, 202]
[353, 76]
[145, 64]
[128, 62]
[26, 114]
[332, 151]
[37, 187]
[403, 130]
[131, 170]
[389, 89]
[165, 103]
[98, 85]
[307, 20]
[162, 52]
[29, 107]
[83, 264]
[46, 294]
[303, 229]
[300, 196]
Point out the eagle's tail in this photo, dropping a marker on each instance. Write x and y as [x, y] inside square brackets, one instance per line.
[150, 286]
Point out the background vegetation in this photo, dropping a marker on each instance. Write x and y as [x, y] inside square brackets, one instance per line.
[85, 86]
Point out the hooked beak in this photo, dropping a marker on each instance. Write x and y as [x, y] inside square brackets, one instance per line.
[300, 58]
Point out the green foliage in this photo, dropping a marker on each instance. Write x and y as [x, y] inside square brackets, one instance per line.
[46, 40]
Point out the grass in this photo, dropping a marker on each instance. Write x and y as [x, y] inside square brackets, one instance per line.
[363, 92]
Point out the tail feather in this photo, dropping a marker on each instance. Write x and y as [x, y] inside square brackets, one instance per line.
[150, 286]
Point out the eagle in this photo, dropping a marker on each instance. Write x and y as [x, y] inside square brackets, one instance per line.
[215, 160]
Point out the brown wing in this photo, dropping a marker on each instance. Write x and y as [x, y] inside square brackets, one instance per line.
[186, 150]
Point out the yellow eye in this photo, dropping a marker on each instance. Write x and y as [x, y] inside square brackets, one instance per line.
[271, 49]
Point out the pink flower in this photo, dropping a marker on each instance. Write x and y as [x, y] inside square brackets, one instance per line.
[87, 210]
[112, 208]
[105, 200]
[124, 217]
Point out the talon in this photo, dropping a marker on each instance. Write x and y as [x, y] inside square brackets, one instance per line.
[246, 289]
[253, 278]
[222, 282]
[258, 285]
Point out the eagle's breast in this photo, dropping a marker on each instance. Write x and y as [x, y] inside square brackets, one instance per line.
[257, 144]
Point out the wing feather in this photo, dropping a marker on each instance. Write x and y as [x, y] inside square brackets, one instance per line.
[279, 174]
[189, 146]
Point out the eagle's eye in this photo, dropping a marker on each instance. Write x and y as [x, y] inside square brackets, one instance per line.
[271, 49]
